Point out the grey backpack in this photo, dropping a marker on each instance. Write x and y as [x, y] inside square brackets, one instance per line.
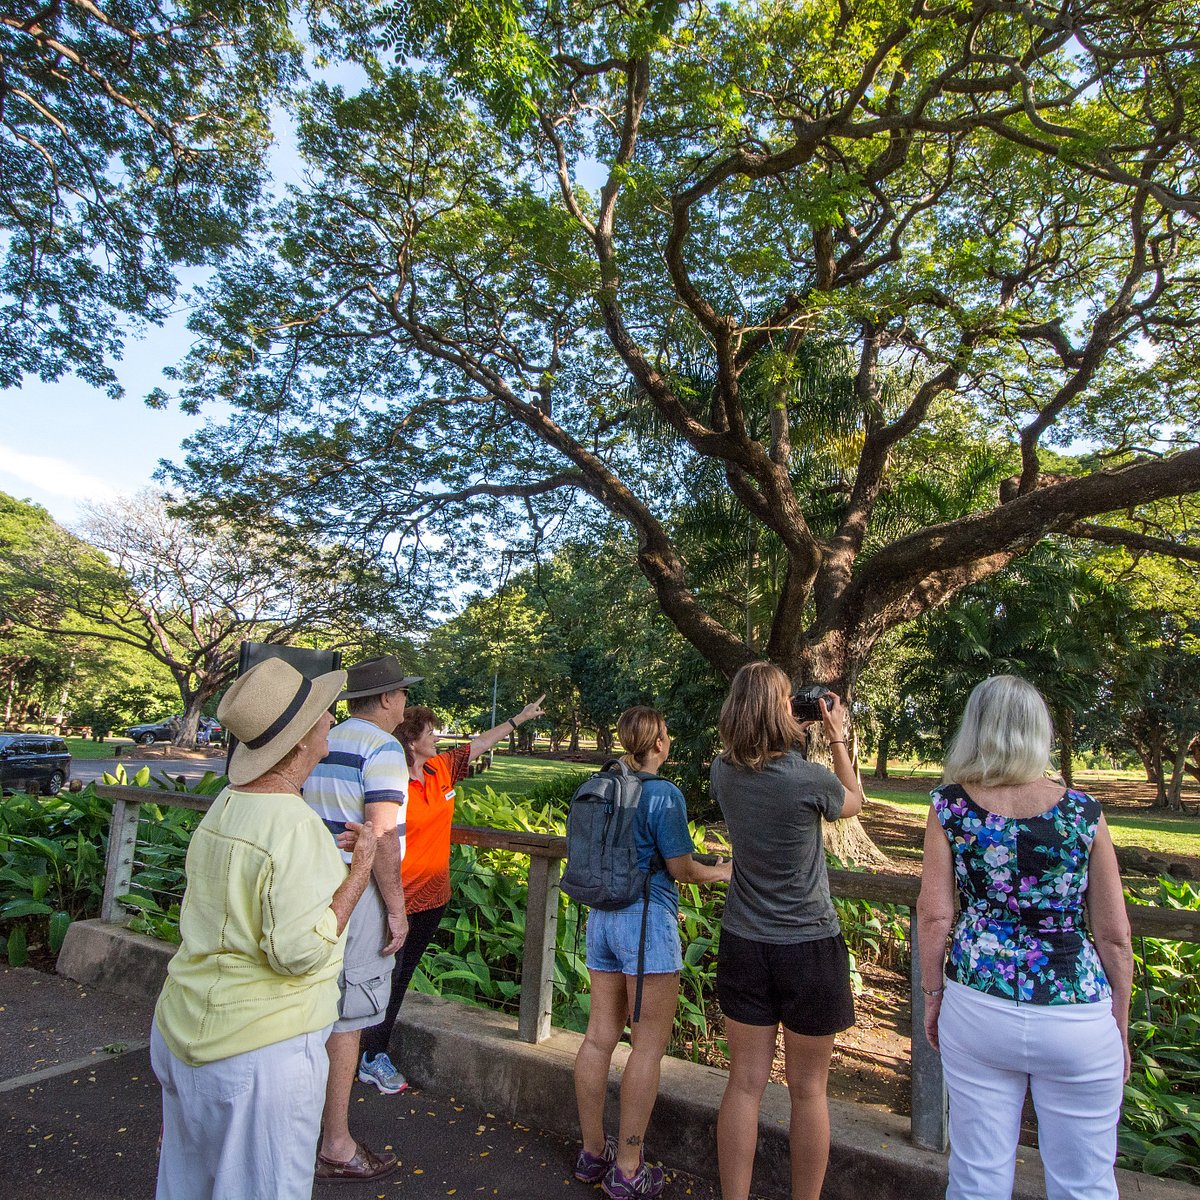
[602, 868]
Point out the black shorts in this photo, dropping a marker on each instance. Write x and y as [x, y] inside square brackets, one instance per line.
[804, 985]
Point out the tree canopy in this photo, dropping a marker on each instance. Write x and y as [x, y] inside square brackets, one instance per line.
[567, 249]
[132, 137]
[188, 595]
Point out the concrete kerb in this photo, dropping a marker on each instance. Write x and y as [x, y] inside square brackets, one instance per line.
[475, 1053]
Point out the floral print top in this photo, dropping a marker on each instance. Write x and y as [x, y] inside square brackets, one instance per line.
[1021, 883]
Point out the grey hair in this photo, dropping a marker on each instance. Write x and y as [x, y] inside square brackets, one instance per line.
[1004, 737]
[362, 705]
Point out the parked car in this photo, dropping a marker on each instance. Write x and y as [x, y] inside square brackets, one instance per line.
[34, 761]
[164, 731]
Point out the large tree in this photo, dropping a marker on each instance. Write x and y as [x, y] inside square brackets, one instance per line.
[991, 206]
[132, 142]
[188, 595]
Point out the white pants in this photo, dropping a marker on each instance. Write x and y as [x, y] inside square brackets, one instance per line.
[241, 1128]
[1072, 1059]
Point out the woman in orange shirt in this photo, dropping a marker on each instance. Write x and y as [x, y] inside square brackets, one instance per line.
[425, 870]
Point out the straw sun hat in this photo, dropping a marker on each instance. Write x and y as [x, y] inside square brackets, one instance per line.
[268, 710]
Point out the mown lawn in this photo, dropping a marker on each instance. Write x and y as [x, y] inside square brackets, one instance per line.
[1157, 831]
[1161, 833]
[518, 776]
[86, 748]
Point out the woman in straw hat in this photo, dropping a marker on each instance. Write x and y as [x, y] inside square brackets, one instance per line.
[238, 1041]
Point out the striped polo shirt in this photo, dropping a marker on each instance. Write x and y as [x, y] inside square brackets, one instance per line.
[365, 765]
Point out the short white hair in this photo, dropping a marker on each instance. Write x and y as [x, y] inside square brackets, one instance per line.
[1005, 735]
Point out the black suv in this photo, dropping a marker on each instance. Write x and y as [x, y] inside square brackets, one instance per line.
[164, 731]
[34, 760]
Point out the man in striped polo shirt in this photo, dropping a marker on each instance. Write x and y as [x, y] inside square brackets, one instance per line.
[364, 777]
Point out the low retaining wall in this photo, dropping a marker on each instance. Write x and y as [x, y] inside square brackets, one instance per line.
[475, 1054]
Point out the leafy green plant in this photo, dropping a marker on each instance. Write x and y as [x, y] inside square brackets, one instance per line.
[52, 855]
[1160, 1122]
[51, 868]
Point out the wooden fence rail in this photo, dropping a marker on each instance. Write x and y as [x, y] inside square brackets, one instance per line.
[546, 854]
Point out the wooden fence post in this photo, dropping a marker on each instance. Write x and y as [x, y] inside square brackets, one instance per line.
[929, 1119]
[541, 932]
[118, 866]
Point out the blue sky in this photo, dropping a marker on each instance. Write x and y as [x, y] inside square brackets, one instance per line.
[65, 444]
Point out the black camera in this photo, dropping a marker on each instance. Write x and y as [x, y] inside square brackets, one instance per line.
[805, 702]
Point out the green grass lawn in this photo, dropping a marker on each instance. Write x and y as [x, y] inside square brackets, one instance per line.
[518, 776]
[86, 748]
[1159, 832]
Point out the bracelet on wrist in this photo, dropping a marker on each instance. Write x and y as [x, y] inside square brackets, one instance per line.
[838, 742]
[932, 991]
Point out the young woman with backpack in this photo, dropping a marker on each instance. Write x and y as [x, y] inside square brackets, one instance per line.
[664, 845]
[781, 959]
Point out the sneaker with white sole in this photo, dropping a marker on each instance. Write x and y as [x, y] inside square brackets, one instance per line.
[381, 1071]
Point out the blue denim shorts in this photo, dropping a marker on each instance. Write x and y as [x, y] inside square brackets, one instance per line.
[613, 938]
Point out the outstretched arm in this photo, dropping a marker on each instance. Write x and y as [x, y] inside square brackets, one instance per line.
[485, 741]
[686, 869]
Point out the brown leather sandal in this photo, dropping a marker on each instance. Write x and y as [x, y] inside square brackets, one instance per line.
[365, 1164]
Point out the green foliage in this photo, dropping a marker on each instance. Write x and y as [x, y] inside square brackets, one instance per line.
[52, 855]
[51, 867]
[1160, 1121]
[133, 143]
[805, 262]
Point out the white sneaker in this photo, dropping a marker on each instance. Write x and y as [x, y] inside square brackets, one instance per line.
[382, 1073]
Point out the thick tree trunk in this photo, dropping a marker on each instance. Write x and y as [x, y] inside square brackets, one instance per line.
[1147, 757]
[573, 745]
[604, 739]
[189, 726]
[1174, 796]
[882, 752]
[850, 843]
[1065, 721]
[846, 840]
[833, 665]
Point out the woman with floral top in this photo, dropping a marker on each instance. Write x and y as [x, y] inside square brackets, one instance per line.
[1036, 990]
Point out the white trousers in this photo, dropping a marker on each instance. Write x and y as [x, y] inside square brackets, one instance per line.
[1071, 1058]
[241, 1128]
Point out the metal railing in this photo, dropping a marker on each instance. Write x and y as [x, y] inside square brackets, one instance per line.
[546, 853]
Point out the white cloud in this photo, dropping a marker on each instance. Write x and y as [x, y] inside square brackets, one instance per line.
[54, 476]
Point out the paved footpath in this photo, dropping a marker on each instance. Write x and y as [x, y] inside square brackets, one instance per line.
[78, 1120]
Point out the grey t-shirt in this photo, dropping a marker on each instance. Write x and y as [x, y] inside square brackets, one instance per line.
[780, 891]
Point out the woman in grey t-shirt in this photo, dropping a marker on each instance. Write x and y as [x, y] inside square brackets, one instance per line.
[782, 959]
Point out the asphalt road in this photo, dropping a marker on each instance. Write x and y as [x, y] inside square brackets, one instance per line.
[92, 1134]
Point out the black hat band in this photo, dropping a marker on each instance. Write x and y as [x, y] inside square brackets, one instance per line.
[283, 720]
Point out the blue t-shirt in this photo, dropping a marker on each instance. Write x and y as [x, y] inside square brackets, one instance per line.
[662, 825]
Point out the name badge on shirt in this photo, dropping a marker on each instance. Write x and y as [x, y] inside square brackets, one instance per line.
[450, 796]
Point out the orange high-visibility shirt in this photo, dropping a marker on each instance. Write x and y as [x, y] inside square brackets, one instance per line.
[425, 871]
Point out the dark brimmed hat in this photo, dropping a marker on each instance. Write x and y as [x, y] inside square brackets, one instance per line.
[268, 710]
[376, 676]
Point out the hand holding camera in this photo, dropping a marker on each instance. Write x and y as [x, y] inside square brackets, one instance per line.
[817, 703]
